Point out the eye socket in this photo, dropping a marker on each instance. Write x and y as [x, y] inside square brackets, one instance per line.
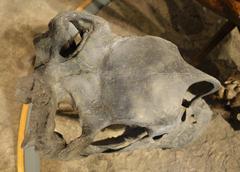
[118, 136]
[72, 44]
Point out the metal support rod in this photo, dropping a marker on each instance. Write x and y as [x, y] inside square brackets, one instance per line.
[218, 37]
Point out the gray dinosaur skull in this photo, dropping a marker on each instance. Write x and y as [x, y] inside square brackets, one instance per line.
[95, 92]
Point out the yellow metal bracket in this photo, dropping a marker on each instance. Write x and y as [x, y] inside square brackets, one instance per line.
[26, 107]
[21, 133]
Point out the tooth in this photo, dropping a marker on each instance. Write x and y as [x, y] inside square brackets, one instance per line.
[230, 94]
[68, 128]
[77, 39]
[221, 92]
[65, 107]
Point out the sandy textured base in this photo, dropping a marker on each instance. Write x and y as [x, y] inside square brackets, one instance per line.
[217, 150]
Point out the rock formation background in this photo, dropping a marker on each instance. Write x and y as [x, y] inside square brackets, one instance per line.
[184, 22]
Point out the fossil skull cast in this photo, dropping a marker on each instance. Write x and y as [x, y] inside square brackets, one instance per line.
[95, 92]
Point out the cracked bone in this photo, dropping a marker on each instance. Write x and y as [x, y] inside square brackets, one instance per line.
[139, 84]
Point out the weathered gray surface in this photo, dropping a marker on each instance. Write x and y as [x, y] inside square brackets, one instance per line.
[16, 51]
[218, 147]
[138, 82]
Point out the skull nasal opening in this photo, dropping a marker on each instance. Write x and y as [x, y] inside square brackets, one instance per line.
[200, 88]
[72, 44]
[195, 91]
